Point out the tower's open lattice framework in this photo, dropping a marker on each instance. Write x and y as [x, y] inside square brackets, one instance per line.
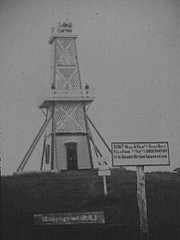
[67, 140]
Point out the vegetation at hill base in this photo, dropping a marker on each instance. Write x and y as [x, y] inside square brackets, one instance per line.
[23, 195]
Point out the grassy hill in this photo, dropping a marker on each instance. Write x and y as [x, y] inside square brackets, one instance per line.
[77, 191]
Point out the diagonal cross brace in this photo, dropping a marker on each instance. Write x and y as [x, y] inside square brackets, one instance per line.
[99, 134]
[33, 145]
[68, 116]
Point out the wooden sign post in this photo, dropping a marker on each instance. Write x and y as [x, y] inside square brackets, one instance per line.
[104, 170]
[142, 205]
[105, 185]
[141, 154]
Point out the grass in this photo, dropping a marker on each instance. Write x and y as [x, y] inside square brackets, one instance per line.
[77, 191]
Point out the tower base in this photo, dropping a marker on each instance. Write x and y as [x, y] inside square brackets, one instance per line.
[71, 152]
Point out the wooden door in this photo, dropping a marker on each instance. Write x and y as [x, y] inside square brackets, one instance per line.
[71, 151]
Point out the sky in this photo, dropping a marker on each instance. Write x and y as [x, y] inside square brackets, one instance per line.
[128, 51]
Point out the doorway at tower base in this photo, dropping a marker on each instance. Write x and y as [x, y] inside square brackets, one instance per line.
[71, 153]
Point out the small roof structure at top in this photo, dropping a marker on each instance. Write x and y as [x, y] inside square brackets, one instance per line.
[62, 30]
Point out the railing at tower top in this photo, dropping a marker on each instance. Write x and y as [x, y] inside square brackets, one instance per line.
[55, 95]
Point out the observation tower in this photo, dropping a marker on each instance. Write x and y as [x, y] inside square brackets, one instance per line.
[67, 139]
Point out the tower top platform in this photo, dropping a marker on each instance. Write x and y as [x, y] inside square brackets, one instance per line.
[62, 30]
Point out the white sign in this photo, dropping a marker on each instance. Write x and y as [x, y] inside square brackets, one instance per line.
[105, 172]
[69, 218]
[103, 163]
[140, 153]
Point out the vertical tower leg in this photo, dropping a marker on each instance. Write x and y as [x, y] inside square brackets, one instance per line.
[53, 150]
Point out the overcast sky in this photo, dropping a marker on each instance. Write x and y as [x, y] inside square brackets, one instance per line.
[128, 50]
